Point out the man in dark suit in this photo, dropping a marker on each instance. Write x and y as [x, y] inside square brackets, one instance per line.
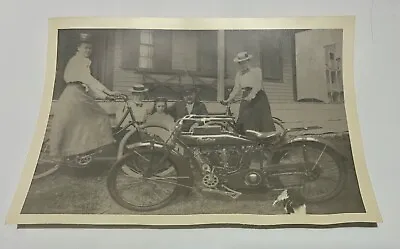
[189, 105]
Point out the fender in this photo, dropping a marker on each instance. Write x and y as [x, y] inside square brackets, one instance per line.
[181, 162]
[309, 139]
[125, 138]
[277, 119]
[123, 141]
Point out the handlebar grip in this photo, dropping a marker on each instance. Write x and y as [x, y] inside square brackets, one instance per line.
[122, 97]
[223, 102]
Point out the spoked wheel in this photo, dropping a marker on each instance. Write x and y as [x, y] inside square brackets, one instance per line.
[45, 165]
[326, 176]
[141, 192]
[151, 133]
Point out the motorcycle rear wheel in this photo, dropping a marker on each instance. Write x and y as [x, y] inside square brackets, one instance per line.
[338, 164]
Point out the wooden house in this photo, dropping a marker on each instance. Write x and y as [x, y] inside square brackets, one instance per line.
[301, 69]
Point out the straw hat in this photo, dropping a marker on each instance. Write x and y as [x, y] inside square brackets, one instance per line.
[242, 56]
[138, 88]
[85, 38]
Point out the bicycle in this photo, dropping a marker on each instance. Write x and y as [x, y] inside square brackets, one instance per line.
[46, 165]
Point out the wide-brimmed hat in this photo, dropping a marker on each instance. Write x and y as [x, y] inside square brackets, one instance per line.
[85, 38]
[138, 88]
[242, 56]
[189, 90]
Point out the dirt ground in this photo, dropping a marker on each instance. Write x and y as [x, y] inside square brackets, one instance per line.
[63, 193]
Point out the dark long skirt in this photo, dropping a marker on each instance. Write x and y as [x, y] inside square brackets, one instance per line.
[256, 114]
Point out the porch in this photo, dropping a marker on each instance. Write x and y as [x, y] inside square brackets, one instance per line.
[292, 63]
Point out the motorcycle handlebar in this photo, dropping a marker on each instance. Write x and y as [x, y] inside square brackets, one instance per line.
[223, 102]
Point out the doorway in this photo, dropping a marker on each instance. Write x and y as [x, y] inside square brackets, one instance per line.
[102, 56]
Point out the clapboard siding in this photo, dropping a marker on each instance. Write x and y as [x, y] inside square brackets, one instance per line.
[184, 47]
[184, 58]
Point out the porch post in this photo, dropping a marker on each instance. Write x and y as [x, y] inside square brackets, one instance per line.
[221, 65]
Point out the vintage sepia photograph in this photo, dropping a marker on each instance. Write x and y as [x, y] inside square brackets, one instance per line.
[157, 122]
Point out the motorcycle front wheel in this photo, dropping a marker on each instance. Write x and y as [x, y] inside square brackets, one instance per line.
[146, 193]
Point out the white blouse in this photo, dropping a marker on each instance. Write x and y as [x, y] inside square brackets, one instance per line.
[252, 78]
[78, 69]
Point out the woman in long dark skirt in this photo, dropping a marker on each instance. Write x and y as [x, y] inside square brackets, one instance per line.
[255, 111]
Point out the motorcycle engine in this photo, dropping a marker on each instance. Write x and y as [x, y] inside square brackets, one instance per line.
[224, 158]
[228, 166]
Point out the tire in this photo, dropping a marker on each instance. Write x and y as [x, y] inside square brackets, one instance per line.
[279, 124]
[45, 166]
[136, 137]
[117, 167]
[339, 164]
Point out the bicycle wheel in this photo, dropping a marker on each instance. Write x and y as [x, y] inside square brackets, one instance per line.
[279, 125]
[45, 165]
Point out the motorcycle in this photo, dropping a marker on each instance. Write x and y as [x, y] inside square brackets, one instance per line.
[222, 162]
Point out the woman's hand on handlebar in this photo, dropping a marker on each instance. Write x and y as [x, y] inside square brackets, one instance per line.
[228, 102]
[224, 102]
[115, 94]
[120, 96]
[110, 98]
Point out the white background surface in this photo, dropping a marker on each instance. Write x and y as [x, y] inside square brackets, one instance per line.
[23, 53]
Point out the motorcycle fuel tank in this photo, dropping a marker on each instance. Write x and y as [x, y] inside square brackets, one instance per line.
[216, 139]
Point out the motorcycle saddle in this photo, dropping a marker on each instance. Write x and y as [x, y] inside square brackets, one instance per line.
[262, 135]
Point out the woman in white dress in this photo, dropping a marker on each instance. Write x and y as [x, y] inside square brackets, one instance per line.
[254, 112]
[80, 124]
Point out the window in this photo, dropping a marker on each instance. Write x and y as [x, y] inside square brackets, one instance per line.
[146, 49]
[167, 52]
[271, 56]
[155, 51]
[333, 72]
[149, 50]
